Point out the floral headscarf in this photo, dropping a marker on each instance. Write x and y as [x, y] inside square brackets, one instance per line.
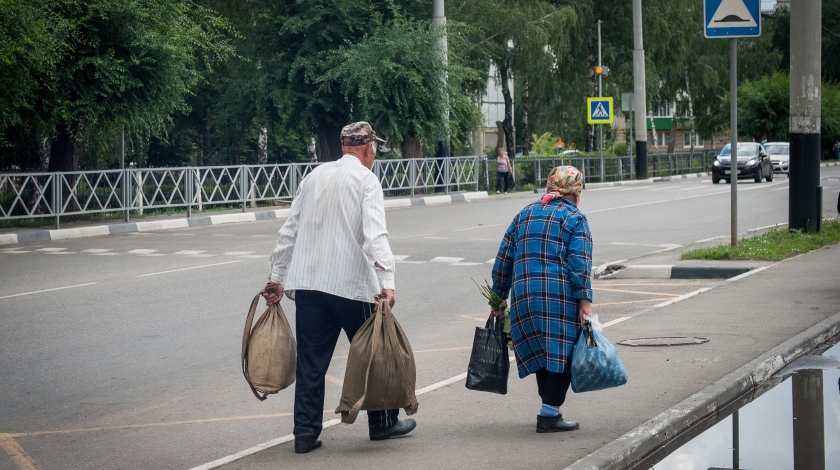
[563, 180]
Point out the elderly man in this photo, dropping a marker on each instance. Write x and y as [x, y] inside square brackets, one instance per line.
[332, 257]
[545, 258]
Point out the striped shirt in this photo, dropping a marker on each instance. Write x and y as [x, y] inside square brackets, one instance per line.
[335, 235]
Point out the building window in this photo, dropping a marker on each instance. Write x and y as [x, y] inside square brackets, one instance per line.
[687, 139]
[663, 138]
[662, 109]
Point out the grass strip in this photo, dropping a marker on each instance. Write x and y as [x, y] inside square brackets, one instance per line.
[775, 245]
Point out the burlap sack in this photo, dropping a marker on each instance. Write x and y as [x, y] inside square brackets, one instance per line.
[380, 371]
[269, 351]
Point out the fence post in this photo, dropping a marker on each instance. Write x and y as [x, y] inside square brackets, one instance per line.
[243, 187]
[189, 188]
[486, 174]
[537, 168]
[56, 199]
[447, 173]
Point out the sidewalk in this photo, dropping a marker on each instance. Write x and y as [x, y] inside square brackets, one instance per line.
[744, 319]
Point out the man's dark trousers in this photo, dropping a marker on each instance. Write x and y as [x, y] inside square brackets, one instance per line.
[320, 317]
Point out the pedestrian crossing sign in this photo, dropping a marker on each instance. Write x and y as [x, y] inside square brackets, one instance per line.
[732, 18]
[600, 110]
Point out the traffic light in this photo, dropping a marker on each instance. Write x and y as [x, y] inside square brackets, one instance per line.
[602, 70]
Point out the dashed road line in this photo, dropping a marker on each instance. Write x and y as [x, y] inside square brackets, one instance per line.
[190, 252]
[141, 252]
[474, 228]
[445, 259]
[187, 269]
[16, 452]
[48, 290]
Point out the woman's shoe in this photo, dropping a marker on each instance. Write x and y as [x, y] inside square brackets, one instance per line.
[555, 424]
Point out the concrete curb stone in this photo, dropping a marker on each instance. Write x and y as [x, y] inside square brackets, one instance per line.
[168, 224]
[635, 445]
[656, 271]
[616, 184]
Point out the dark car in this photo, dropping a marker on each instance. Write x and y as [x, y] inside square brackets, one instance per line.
[753, 162]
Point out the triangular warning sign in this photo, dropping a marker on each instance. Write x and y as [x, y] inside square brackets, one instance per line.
[600, 112]
[732, 14]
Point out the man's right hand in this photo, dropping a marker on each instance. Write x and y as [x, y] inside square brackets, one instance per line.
[273, 293]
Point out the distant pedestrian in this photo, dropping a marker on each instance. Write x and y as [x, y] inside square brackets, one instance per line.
[545, 263]
[332, 257]
[503, 167]
[836, 149]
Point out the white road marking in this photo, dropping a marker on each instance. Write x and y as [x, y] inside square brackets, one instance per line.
[187, 269]
[15, 251]
[60, 253]
[237, 253]
[465, 264]
[254, 256]
[780, 189]
[421, 235]
[474, 228]
[47, 290]
[445, 259]
[710, 239]
[190, 252]
[409, 262]
[491, 261]
[400, 257]
[616, 321]
[97, 250]
[50, 250]
[104, 254]
[261, 236]
[141, 252]
[435, 238]
[153, 254]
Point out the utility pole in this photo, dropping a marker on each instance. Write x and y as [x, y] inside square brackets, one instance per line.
[600, 94]
[439, 21]
[805, 193]
[124, 174]
[639, 98]
[733, 142]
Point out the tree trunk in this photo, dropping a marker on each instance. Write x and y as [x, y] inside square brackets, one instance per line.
[526, 131]
[653, 131]
[64, 156]
[691, 135]
[329, 140]
[590, 138]
[204, 156]
[628, 136]
[262, 146]
[507, 124]
[672, 140]
[500, 137]
[411, 147]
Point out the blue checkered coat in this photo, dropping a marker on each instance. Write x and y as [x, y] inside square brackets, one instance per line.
[545, 259]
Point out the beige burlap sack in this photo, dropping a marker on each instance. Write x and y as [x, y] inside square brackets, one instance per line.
[380, 368]
[269, 351]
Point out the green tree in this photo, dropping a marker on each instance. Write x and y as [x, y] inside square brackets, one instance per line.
[764, 107]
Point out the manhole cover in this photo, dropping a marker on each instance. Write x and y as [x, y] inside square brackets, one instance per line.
[666, 341]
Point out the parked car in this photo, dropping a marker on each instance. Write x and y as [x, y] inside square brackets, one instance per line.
[753, 162]
[779, 155]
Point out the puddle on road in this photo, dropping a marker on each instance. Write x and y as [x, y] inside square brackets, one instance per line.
[791, 422]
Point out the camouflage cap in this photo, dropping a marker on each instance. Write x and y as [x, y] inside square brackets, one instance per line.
[358, 133]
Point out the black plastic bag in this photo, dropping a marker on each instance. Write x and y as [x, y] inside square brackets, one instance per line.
[489, 362]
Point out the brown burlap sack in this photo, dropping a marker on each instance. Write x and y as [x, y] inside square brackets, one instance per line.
[269, 351]
[380, 371]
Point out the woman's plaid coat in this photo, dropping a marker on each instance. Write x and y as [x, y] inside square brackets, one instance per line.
[545, 259]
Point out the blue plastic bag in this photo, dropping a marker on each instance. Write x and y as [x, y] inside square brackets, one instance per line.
[595, 363]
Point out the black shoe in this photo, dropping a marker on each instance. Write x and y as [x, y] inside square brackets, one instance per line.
[555, 424]
[305, 443]
[403, 427]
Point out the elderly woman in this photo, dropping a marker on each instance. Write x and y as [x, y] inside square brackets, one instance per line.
[545, 258]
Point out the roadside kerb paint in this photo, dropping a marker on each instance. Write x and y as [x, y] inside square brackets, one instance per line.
[169, 224]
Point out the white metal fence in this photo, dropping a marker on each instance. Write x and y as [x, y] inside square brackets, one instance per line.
[33, 195]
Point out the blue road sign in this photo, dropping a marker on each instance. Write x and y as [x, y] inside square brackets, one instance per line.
[600, 110]
[732, 18]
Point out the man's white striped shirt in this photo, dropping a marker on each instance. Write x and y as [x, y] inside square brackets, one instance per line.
[335, 235]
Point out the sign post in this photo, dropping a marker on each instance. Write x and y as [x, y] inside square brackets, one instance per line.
[732, 19]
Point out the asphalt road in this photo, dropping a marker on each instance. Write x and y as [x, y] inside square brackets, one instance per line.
[123, 351]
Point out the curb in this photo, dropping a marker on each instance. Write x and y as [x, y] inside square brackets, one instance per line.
[634, 446]
[615, 184]
[666, 271]
[130, 227]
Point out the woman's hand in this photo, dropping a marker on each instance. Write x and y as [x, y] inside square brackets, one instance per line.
[499, 313]
[584, 311]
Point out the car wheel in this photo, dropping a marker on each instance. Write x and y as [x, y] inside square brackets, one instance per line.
[727, 181]
[758, 175]
[770, 177]
[715, 180]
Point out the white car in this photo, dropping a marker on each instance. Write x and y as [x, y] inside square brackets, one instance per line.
[780, 156]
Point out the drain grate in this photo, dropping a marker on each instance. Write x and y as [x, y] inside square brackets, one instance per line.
[664, 341]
